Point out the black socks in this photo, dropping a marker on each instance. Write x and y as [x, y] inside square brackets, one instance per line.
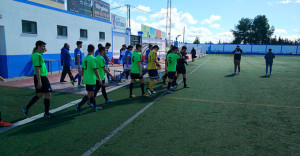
[32, 101]
[47, 105]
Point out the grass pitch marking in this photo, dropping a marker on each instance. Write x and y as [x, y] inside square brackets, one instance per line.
[114, 132]
[70, 104]
[231, 102]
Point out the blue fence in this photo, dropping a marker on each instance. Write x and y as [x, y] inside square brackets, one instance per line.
[247, 48]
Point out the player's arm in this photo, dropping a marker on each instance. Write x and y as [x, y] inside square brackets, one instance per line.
[97, 74]
[1, 79]
[166, 66]
[127, 58]
[108, 59]
[78, 61]
[38, 75]
[140, 68]
[107, 72]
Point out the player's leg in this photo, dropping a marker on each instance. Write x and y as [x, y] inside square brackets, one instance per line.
[170, 77]
[235, 66]
[131, 88]
[271, 64]
[239, 65]
[267, 65]
[63, 74]
[104, 93]
[47, 105]
[68, 69]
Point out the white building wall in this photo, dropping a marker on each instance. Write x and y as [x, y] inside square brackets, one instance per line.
[14, 12]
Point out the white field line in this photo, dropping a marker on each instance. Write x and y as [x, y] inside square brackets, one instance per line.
[70, 104]
[114, 132]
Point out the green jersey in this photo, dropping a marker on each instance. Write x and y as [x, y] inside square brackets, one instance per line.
[136, 57]
[100, 65]
[172, 61]
[89, 64]
[38, 61]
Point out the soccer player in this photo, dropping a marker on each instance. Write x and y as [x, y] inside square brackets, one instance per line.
[97, 51]
[180, 69]
[166, 74]
[146, 62]
[102, 70]
[78, 61]
[269, 61]
[171, 67]
[3, 123]
[121, 53]
[41, 82]
[136, 70]
[152, 69]
[237, 59]
[127, 61]
[107, 60]
[90, 74]
[66, 63]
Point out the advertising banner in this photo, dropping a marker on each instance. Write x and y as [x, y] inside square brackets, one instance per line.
[80, 6]
[60, 4]
[101, 10]
[118, 23]
[146, 30]
[158, 34]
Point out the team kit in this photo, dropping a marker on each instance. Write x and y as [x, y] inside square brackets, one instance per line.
[93, 67]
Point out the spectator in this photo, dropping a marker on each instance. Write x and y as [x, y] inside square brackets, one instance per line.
[66, 63]
[269, 61]
[237, 59]
[193, 54]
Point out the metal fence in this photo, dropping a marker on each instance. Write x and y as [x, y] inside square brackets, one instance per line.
[247, 48]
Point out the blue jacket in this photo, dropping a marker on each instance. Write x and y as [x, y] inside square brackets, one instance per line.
[65, 57]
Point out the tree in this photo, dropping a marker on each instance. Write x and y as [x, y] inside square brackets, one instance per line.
[197, 41]
[257, 31]
[243, 31]
[262, 31]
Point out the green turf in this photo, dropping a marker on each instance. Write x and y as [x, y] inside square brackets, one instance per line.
[221, 115]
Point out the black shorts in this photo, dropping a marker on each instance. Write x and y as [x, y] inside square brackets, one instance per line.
[90, 88]
[153, 74]
[46, 87]
[171, 75]
[98, 86]
[135, 76]
[181, 70]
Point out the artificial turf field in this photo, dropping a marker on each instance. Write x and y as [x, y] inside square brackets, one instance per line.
[221, 114]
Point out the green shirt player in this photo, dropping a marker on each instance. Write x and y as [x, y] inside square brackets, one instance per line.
[41, 82]
[171, 66]
[90, 75]
[136, 71]
[102, 70]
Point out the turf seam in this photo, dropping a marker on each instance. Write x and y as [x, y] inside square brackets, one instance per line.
[118, 129]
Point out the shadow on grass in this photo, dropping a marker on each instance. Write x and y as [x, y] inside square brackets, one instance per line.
[265, 76]
[230, 75]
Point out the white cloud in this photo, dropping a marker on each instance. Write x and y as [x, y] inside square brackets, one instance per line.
[144, 8]
[280, 32]
[188, 18]
[285, 1]
[216, 26]
[298, 1]
[141, 18]
[211, 19]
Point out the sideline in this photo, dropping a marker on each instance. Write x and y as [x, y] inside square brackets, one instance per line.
[114, 132]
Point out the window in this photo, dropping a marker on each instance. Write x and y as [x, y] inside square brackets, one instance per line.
[83, 33]
[62, 31]
[102, 35]
[29, 27]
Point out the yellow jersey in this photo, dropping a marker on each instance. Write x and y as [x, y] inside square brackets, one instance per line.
[151, 60]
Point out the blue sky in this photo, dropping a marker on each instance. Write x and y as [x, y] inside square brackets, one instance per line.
[212, 20]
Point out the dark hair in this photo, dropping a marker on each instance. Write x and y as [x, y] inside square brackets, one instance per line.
[101, 49]
[78, 42]
[107, 44]
[124, 45]
[155, 47]
[100, 45]
[39, 43]
[174, 48]
[91, 48]
[184, 48]
[270, 49]
[129, 47]
[66, 44]
[150, 46]
[138, 46]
